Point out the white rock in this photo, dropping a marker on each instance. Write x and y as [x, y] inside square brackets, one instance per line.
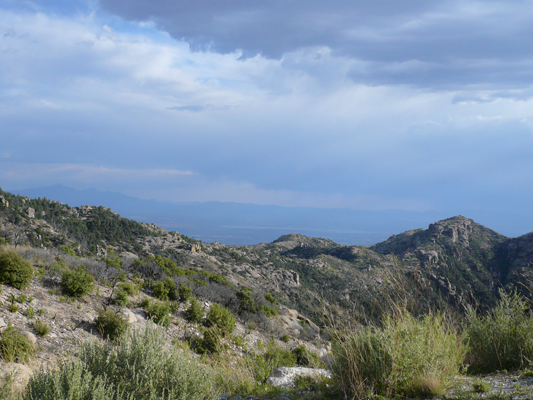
[141, 317]
[284, 377]
[30, 336]
[2, 323]
[129, 316]
[20, 372]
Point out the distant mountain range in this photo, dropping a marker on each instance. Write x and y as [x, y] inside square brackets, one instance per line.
[244, 224]
[455, 262]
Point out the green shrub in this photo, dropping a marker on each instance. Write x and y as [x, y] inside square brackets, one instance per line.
[15, 347]
[140, 366]
[199, 282]
[280, 357]
[15, 271]
[159, 312]
[221, 317]
[166, 290]
[211, 342]
[67, 250]
[217, 278]
[246, 301]
[160, 291]
[268, 311]
[30, 312]
[110, 325]
[261, 368]
[286, 338]
[77, 282]
[145, 302]
[271, 299]
[239, 340]
[306, 358]
[13, 308]
[501, 339]
[167, 265]
[526, 374]
[184, 292]
[129, 288]
[121, 297]
[113, 260]
[480, 387]
[404, 357]
[195, 312]
[274, 357]
[41, 328]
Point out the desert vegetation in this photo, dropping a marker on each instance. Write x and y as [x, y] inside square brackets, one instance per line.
[230, 315]
[139, 365]
[14, 270]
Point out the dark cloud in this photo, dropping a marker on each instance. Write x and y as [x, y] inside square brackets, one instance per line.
[440, 43]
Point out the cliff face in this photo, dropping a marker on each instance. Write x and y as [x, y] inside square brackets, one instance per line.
[455, 261]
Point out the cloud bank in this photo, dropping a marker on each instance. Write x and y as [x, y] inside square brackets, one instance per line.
[444, 44]
[372, 105]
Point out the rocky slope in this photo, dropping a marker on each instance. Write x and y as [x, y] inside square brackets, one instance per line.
[455, 261]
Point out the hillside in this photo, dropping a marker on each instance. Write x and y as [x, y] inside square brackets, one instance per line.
[454, 261]
[280, 298]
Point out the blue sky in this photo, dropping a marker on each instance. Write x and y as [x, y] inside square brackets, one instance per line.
[384, 104]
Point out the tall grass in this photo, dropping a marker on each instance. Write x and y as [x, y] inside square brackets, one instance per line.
[141, 365]
[503, 337]
[406, 356]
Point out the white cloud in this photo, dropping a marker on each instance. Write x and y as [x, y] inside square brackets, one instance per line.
[188, 125]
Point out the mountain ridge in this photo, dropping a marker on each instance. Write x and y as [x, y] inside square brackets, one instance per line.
[456, 261]
[246, 224]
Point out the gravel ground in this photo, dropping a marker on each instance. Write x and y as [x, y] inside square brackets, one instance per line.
[512, 386]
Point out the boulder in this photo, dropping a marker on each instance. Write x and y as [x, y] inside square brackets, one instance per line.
[30, 336]
[20, 374]
[284, 377]
[128, 316]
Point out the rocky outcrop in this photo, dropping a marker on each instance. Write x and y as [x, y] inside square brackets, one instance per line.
[4, 202]
[166, 241]
[195, 248]
[287, 278]
[296, 322]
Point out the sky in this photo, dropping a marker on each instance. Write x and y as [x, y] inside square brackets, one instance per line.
[372, 105]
